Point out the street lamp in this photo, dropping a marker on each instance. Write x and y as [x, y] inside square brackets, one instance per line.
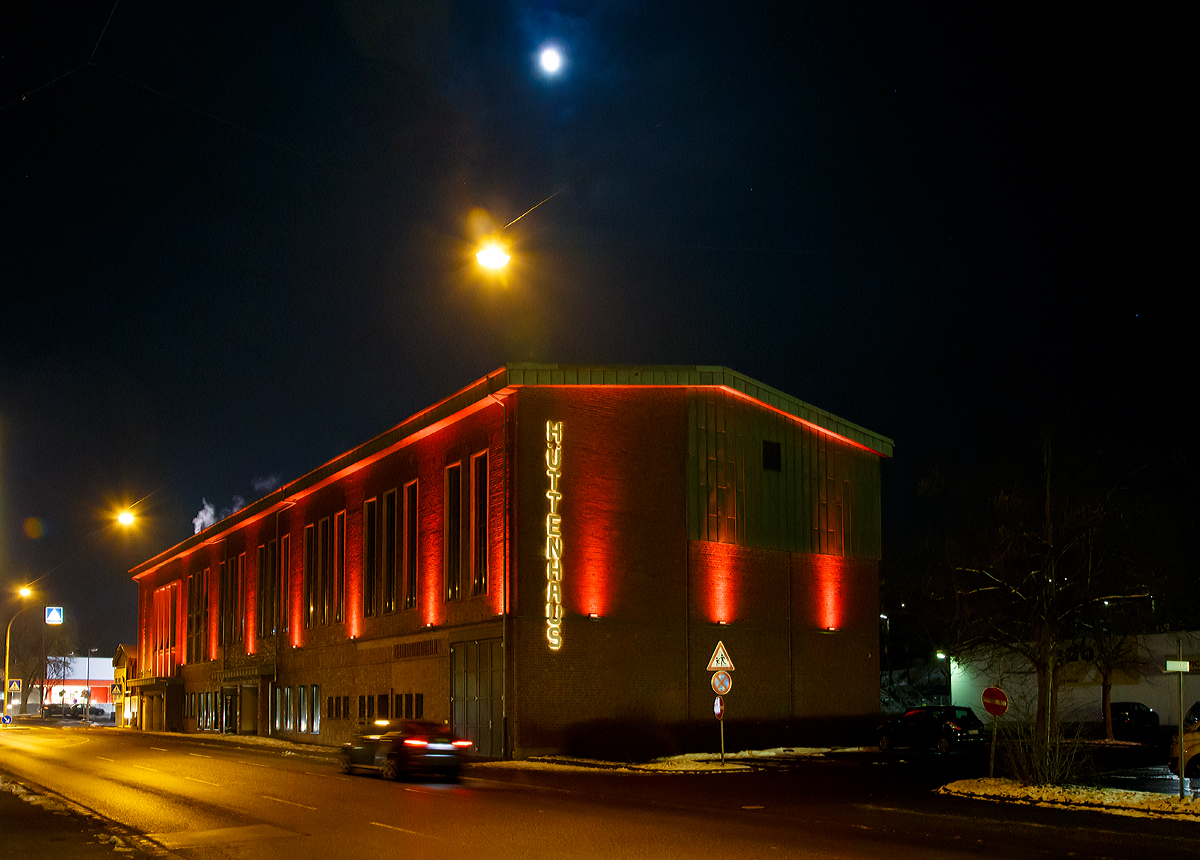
[87, 717]
[24, 592]
[492, 255]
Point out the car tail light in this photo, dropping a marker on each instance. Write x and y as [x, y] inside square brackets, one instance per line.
[415, 742]
[462, 743]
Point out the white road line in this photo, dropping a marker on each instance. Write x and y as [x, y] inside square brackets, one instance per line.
[200, 755]
[143, 767]
[327, 775]
[252, 764]
[205, 781]
[402, 830]
[159, 749]
[288, 802]
[102, 758]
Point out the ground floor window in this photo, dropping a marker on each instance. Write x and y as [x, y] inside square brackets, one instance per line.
[315, 721]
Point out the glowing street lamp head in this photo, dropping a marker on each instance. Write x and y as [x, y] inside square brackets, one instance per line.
[492, 255]
[125, 518]
[25, 591]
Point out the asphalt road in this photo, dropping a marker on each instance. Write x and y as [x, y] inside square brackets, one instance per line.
[205, 798]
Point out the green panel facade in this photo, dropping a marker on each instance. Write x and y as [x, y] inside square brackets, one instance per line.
[813, 493]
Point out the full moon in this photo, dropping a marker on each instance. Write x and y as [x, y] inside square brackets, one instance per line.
[551, 60]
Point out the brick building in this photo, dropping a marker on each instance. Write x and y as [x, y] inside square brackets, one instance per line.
[550, 545]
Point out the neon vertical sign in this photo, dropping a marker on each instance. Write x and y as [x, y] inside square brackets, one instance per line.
[554, 542]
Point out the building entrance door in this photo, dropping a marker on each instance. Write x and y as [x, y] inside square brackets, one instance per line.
[229, 710]
[477, 694]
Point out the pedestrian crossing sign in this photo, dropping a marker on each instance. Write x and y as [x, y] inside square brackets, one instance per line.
[54, 615]
[14, 685]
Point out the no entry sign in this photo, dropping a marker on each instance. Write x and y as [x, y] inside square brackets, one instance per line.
[994, 701]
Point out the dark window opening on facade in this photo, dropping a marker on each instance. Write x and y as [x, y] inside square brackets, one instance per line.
[772, 455]
[370, 555]
[479, 531]
[453, 520]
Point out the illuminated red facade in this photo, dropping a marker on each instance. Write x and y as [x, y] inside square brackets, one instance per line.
[549, 545]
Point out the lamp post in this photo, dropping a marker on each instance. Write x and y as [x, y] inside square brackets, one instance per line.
[87, 708]
[25, 592]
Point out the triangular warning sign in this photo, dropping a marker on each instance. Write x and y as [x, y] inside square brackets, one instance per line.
[54, 615]
[720, 659]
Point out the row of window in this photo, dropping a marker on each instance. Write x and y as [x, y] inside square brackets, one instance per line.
[297, 709]
[385, 706]
[390, 565]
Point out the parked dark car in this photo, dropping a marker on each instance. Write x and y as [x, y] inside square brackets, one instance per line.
[397, 747]
[932, 727]
[1133, 721]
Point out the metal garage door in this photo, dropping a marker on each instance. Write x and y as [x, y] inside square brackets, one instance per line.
[477, 694]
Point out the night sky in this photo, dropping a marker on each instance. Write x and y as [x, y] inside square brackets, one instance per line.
[238, 238]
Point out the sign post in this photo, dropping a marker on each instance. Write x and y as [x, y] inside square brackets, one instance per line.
[1179, 666]
[996, 704]
[722, 683]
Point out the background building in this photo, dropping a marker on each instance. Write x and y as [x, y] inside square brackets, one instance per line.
[548, 546]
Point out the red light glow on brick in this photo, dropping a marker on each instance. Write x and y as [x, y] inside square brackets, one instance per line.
[830, 593]
[718, 582]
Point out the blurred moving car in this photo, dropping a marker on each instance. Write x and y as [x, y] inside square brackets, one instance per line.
[1133, 721]
[393, 747]
[934, 727]
[1191, 744]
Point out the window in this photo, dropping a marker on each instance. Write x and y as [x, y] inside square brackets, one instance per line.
[339, 567]
[287, 709]
[384, 698]
[370, 555]
[362, 707]
[267, 604]
[453, 526]
[285, 581]
[419, 710]
[324, 572]
[346, 707]
[223, 616]
[329, 708]
[310, 576]
[410, 545]
[408, 706]
[302, 700]
[237, 578]
[772, 456]
[197, 616]
[163, 630]
[315, 719]
[389, 551]
[278, 722]
[479, 520]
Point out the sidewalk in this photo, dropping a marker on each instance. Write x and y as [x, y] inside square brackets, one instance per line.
[42, 827]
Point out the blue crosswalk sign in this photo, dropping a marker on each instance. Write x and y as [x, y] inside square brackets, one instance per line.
[14, 685]
[54, 615]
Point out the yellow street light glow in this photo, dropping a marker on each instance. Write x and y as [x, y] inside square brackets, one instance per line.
[125, 518]
[25, 592]
[492, 255]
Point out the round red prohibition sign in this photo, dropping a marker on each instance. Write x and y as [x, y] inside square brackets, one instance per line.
[994, 701]
[722, 682]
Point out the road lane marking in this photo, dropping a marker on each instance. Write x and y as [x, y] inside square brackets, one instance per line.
[410, 832]
[252, 764]
[288, 802]
[159, 749]
[102, 758]
[143, 767]
[200, 755]
[221, 837]
[327, 775]
[205, 781]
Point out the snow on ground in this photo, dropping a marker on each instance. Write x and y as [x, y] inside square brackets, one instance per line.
[1111, 800]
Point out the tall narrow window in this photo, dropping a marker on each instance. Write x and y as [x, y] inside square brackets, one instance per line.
[238, 579]
[389, 551]
[285, 581]
[339, 566]
[324, 559]
[479, 521]
[260, 595]
[223, 618]
[314, 721]
[272, 587]
[370, 555]
[310, 576]
[410, 545]
[302, 708]
[452, 517]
